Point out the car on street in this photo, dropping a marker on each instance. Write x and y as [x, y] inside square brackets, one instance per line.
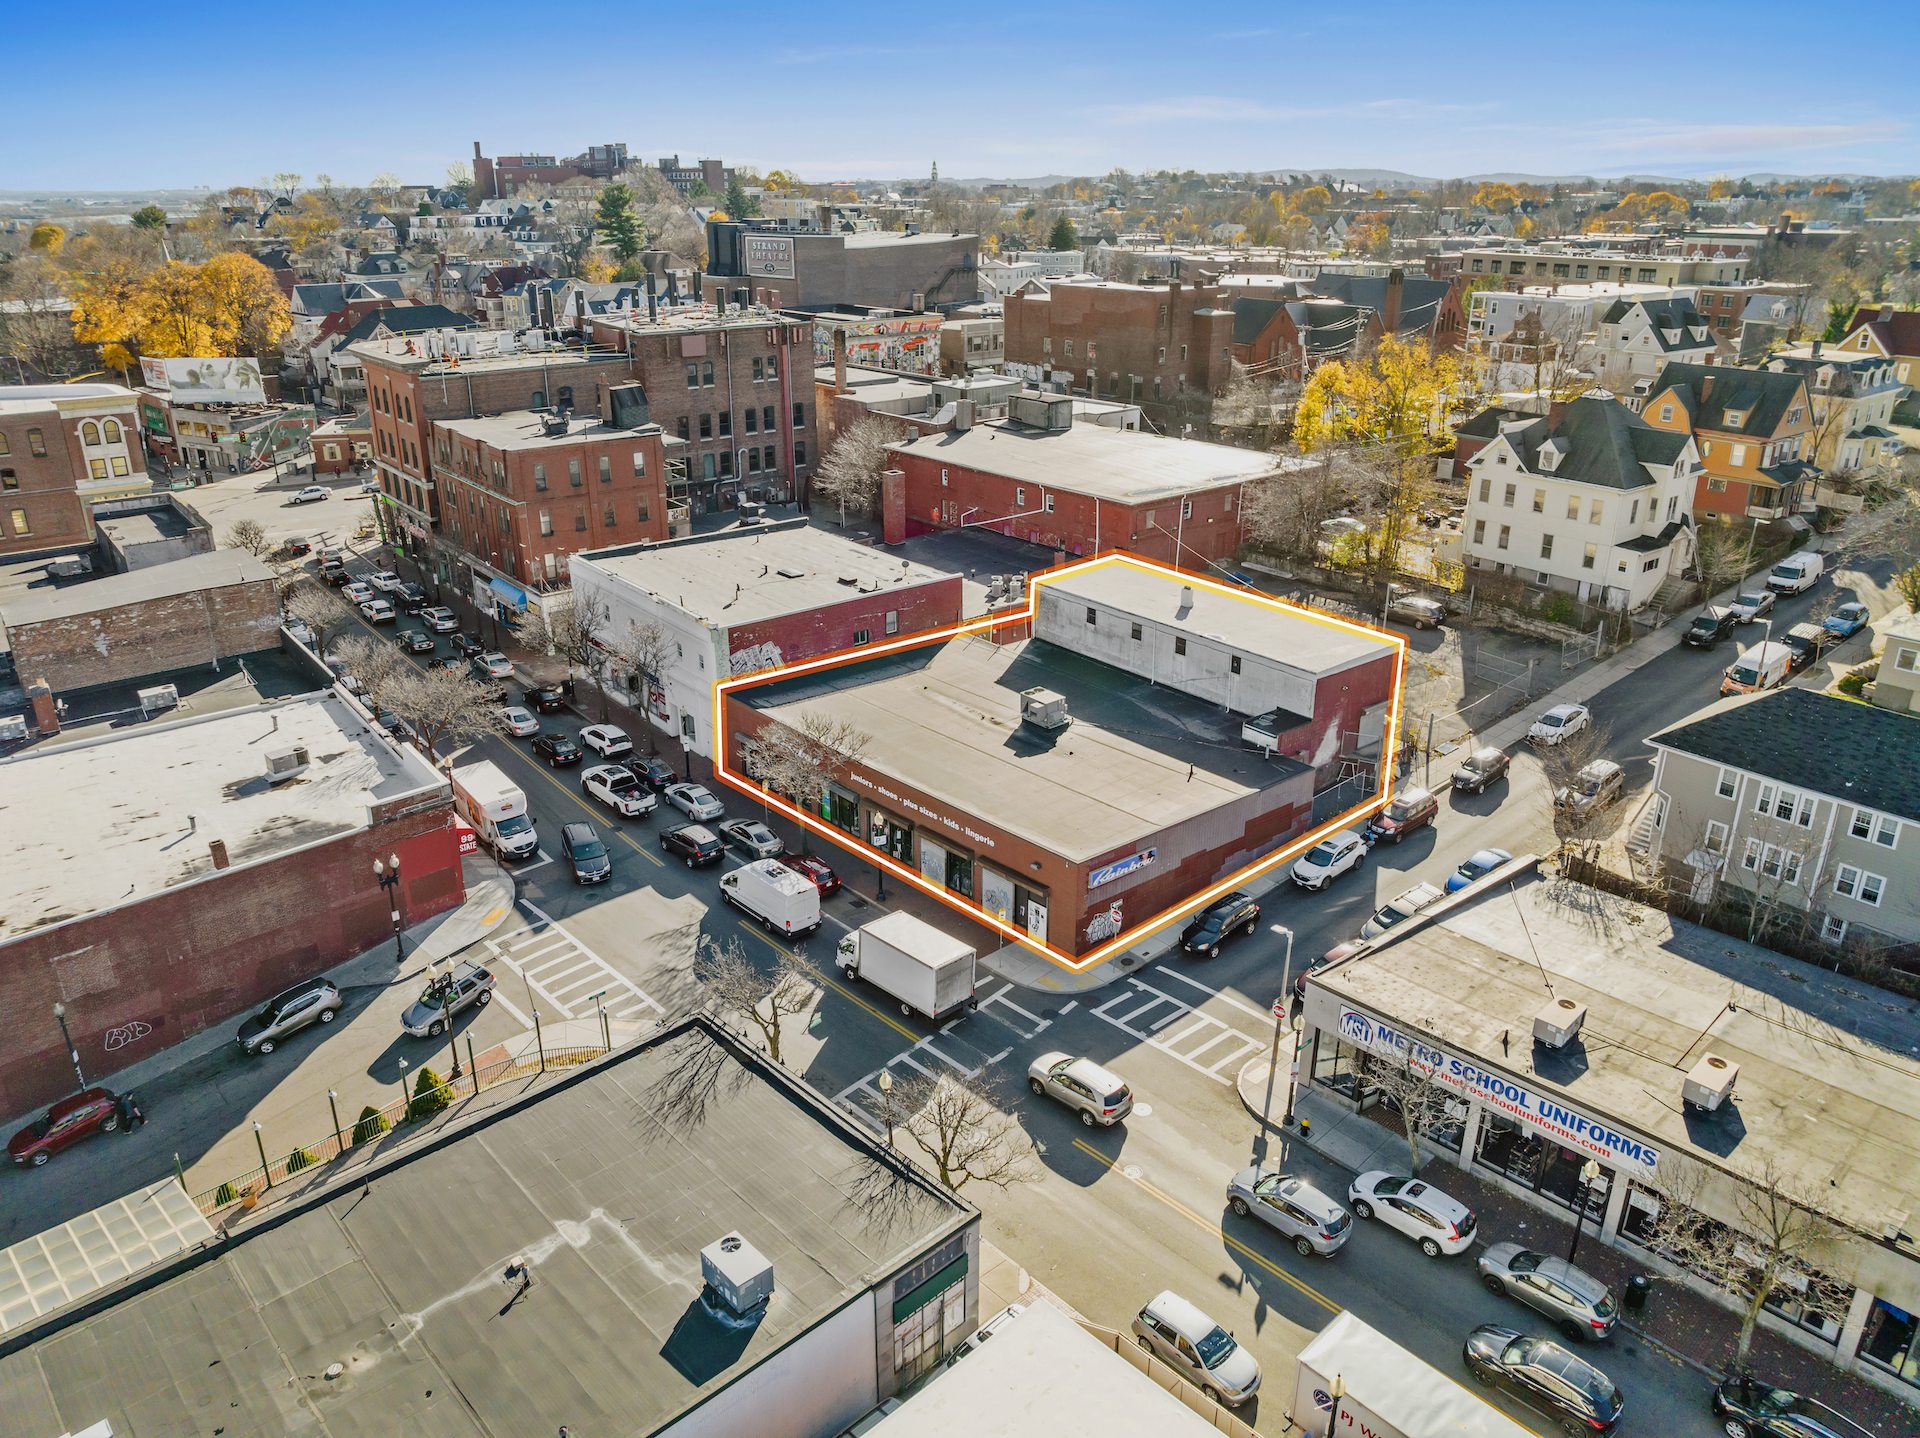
[546, 698]
[82, 1115]
[1331, 956]
[369, 486]
[1805, 643]
[1476, 867]
[385, 581]
[440, 621]
[1848, 620]
[299, 632]
[308, 495]
[446, 996]
[1407, 811]
[1420, 612]
[491, 665]
[1754, 604]
[414, 642]
[1326, 861]
[656, 771]
[1749, 1408]
[609, 741]
[1309, 1218]
[1559, 724]
[1198, 1349]
[291, 548]
[813, 867]
[378, 611]
[1598, 785]
[1207, 930]
[1580, 1305]
[1576, 1395]
[1401, 906]
[452, 663]
[314, 1002]
[618, 790]
[558, 749]
[694, 801]
[992, 1328]
[466, 646]
[411, 598]
[1438, 1222]
[581, 847]
[356, 591]
[695, 843]
[518, 722]
[1100, 1096]
[1709, 627]
[1479, 769]
[752, 838]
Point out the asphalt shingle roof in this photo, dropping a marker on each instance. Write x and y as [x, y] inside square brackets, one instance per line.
[408, 320]
[1762, 396]
[1607, 444]
[1252, 316]
[1856, 753]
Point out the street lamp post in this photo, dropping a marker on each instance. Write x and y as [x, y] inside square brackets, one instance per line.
[60, 1013]
[1339, 1392]
[446, 1017]
[1589, 1171]
[886, 1097]
[389, 876]
[1282, 1006]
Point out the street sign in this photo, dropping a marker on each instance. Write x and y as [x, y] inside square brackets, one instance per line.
[1280, 1008]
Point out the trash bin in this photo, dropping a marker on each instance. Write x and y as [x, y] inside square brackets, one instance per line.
[1638, 1287]
[566, 687]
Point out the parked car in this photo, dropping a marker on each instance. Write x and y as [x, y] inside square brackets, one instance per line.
[1597, 785]
[1402, 906]
[1200, 1350]
[1312, 1220]
[493, 665]
[609, 741]
[466, 646]
[314, 1002]
[580, 846]
[299, 633]
[557, 749]
[1209, 928]
[452, 663]
[1098, 1095]
[1752, 605]
[1805, 643]
[695, 843]
[618, 790]
[1479, 769]
[656, 771]
[1407, 811]
[414, 642]
[1797, 573]
[816, 869]
[1709, 627]
[91, 1111]
[517, 722]
[356, 591]
[1476, 868]
[1559, 724]
[1421, 613]
[1848, 620]
[445, 996]
[990, 1329]
[291, 548]
[694, 801]
[1326, 861]
[1577, 1395]
[1331, 956]
[308, 495]
[1438, 1222]
[1578, 1303]
[752, 838]
[411, 598]
[546, 698]
[440, 621]
[378, 611]
[1748, 1408]
[385, 581]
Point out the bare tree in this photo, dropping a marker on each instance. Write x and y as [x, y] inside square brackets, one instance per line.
[576, 629]
[1414, 1096]
[1583, 815]
[964, 1131]
[377, 666]
[764, 998]
[800, 761]
[851, 471]
[250, 535]
[1286, 510]
[440, 705]
[316, 606]
[645, 649]
[1720, 554]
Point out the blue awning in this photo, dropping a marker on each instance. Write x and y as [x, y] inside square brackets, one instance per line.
[512, 595]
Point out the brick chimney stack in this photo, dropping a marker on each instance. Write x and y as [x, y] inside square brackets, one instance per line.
[1396, 290]
[840, 361]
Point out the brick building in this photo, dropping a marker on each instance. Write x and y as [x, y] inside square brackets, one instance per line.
[61, 448]
[744, 599]
[155, 919]
[711, 173]
[507, 175]
[1041, 476]
[1154, 345]
[185, 613]
[883, 269]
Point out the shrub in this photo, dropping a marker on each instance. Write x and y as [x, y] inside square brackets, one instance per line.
[1558, 608]
[372, 1124]
[298, 1160]
[225, 1195]
[429, 1096]
[1853, 683]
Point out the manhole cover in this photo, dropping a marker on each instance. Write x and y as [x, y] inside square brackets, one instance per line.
[859, 903]
[1145, 1110]
[1049, 1013]
[1132, 1170]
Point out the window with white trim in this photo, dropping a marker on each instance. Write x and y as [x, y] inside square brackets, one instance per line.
[1729, 783]
[1855, 883]
[1833, 930]
[1715, 841]
[1763, 802]
[1751, 860]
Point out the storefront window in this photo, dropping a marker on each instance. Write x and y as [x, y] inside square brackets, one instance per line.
[960, 872]
[1891, 1341]
[1334, 1066]
[886, 833]
[1810, 1301]
[842, 811]
[1540, 1164]
[1030, 909]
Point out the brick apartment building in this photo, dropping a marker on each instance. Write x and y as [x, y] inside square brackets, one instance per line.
[711, 173]
[61, 448]
[1151, 344]
[507, 175]
[874, 269]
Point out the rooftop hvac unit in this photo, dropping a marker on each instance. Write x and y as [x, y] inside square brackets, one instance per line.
[163, 696]
[738, 1274]
[1709, 1083]
[284, 764]
[1044, 709]
[1558, 1023]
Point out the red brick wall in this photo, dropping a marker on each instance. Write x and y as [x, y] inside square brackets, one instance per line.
[821, 631]
[44, 486]
[1124, 324]
[133, 640]
[138, 980]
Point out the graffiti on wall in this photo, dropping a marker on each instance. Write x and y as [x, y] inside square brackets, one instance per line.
[120, 1037]
[910, 343]
[1105, 924]
[754, 658]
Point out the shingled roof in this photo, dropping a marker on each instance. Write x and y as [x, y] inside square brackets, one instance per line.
[1761, 396]
[1605, 443]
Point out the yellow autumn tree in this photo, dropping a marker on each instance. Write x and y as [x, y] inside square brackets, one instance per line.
[1397, 392]
[245, 312]
[1497, 197]
[104, 274]
[170, 313]
[47, 238]
[1312, 201]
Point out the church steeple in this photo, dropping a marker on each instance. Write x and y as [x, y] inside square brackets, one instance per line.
[936, 174]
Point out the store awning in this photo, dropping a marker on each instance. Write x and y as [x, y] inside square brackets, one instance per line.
[512, 594]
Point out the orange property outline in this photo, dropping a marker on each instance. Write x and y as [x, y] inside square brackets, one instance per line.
[1003, 619]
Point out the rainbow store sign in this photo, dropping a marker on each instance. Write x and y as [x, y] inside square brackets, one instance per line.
[1500, 1093]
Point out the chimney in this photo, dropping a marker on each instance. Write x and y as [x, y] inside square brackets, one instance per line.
[840, 360]
[1706, 390]
[218, 848]
[1556, 412]
[1186, 597]
[46, 715]
[963, 414]
[1816, 349]
[1396, 290]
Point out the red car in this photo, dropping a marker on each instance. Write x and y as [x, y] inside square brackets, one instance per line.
[82, 1116]
[824, 879]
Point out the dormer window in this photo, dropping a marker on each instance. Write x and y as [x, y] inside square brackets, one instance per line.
[1736, 418]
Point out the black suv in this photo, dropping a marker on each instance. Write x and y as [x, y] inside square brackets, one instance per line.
[1806, 641]
[410, 597]
[582, 848]
[1748, 1408]
[1709, 627]
[557, 749]
[546, 698]
[1209, 928]
[657, 772]
[1579, 1396]
[695, 843]
[466, 646]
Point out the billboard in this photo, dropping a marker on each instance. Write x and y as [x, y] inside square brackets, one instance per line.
[907, 343]
[207, 381]
[769, 256]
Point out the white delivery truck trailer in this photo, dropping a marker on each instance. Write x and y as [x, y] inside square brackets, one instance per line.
[929, 972]
[488, 800]
[775, 895]
[1389, 1392]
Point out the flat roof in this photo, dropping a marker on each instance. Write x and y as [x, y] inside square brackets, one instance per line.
[216, 570]
[608, 1184]
[1829, 1082]
[521, 429]
[945, 718]
[1252, 623]
[740, 576]
[138, 808]
[875, 385]
[143, 526]
[1126, 466]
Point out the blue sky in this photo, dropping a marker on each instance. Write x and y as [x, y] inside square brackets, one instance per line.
[221, 93]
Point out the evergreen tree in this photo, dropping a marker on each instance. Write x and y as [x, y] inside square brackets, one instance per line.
[150, 217]
[738, 205]
[1063, 237]
[619, 226]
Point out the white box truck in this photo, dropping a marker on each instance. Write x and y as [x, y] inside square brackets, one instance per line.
[488, 800]
[929, 972]
[1389, 1392]
[775, 895]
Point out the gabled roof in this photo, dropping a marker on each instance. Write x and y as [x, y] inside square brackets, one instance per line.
[328, 299]
[1252, 316]
[408, 320]
[1327, 326]
[1856, 753]
[1486, 424]
[1605, 444]
[1652, 543]
[1420, 299]
[1762, 397]
[1898, 331]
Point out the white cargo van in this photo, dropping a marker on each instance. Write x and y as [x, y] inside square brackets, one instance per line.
[929, 972]
[775, 895]
[1765, 666]
[1796, 573]
[488, 800]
